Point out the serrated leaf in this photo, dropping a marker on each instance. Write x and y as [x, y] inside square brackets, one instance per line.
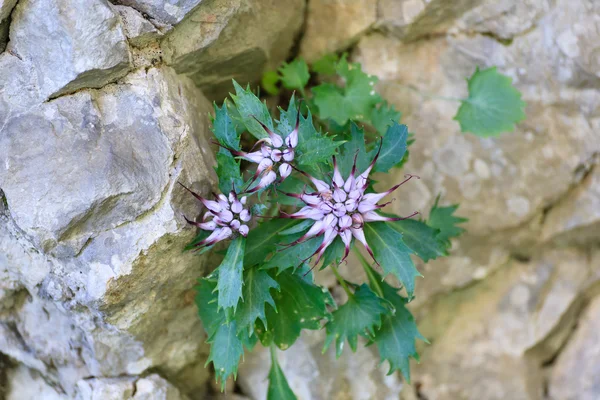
[294, 75]
[443, 218]
[269, 82]
[392, 253]
[249, 107]
[278, 389]
[333, 253]
[206, 301]
[256, 293]
[229, 284]
[493, 106]
[360, 315]
[301, 226]
[225, 352]
[355, 145]
[384, 116]
[393, 148]
[263, 239]
[223, 127]
[326, 64]
[293, 256]
[228, 171]
[395, 339]
[300, 305]
[421, 238]
[355, 101]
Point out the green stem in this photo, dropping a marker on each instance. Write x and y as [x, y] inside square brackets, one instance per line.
[273, 353]
[429, 95]
[369, 271]
[341, 281]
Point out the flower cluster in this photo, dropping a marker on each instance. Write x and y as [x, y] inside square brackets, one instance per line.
[225, 217]
[342, 208]
[274, 151]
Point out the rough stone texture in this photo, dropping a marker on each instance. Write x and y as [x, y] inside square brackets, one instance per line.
[316, 376]
[332, 25]
[92, 48]
[99, 117]
[225, 39]
[576, 373]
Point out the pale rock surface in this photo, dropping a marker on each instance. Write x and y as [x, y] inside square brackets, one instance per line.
[575, 374]
[70, 45]
[316, 376]
[165, 13]
[333, 25]
[499, 332]
[233, 39]
[139, 30]
[6, 7]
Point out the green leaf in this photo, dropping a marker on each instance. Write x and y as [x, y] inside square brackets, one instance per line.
[442, 218]
[225, 352]
[353, 102]
[361, 315]
[396, 338]
[421, 238]
[199, 237]
[226, 348]
[326, 64]
[384, 116]
[263, 239]
[392, 254]
[301, 226]
[229, 284]
[300, 304]
[333, 253]
[493, 106]
[256, 292]
[223, 127]
[269, 82]
[295, 74]
[356, 145]
[393, 148]
[279, 389]
[249, 106]
[206, 301]
[228, 171]
[293, 256]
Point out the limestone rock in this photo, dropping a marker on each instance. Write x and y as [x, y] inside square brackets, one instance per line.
[225, 39]
[575, 374]
[6, 7]
[105, 285]
[316, 376]
[139, 31]
[27, 384]
[334, 25]
[70, 45]
[500, 182]
[166, 13]
[105, 388]
[492, 332]
[576, 219]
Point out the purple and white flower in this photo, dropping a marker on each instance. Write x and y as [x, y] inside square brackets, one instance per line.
[275, 154]
[342, 208]
[226, 217]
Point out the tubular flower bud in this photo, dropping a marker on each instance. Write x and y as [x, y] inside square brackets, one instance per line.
[342, 208]
[227, 217]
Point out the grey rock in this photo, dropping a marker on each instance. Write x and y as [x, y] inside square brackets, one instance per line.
[333, 25]
[165, 13]
[576, 219]
[499, 332]
[232, 39]
[28, 384]
[104, 285]
[139, 31]
[575, 374]
[316, 376]
[6, 7]
[70, 45]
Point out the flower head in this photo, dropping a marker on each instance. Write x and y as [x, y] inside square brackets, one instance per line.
[226, 217]
[275, 154]
[342, 208]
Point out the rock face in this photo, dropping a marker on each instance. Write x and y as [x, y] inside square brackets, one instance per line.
[103, 109]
